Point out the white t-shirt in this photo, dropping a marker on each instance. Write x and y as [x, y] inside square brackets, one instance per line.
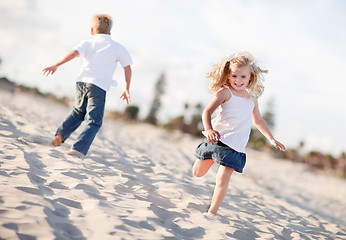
[100, 56]
[233, 121]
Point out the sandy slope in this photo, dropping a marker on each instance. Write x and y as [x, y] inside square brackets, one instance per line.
[136, 183]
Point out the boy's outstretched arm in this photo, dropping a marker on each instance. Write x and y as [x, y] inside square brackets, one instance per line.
[126, 94]
[69, 56]
[263, 128]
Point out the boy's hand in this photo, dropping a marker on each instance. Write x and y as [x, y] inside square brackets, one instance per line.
[126, 96]
[212, 135]
[278, 145]
[50, 70]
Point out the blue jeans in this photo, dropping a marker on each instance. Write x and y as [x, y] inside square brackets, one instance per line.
[89, 107]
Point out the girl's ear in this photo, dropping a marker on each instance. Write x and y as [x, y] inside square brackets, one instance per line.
[92, 31]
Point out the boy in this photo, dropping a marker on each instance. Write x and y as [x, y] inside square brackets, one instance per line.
[100, 56]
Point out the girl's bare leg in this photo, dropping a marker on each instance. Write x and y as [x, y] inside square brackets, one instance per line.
[201, 167]
[222, 179]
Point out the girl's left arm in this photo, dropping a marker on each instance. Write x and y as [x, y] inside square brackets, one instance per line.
[263, 128]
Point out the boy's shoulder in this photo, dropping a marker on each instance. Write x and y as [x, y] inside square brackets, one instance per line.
[106, 38]
[103, 43]
[101, 39]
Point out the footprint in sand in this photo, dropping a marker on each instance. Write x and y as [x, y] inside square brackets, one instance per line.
[9, 157]
[59, 220]
[75, 175]
[70, 203]
[57, 185]
[91, 191]
[33, 191]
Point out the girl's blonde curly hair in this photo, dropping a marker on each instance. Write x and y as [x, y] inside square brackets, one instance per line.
[219, 75]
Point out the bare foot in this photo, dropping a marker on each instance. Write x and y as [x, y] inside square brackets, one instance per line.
[210, 215]
[75, 153]
[57, 140]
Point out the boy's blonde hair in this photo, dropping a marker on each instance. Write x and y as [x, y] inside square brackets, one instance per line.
[219, 75]
[102, 24]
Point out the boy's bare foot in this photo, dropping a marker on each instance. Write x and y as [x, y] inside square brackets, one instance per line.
[57, 140]
[75, 153]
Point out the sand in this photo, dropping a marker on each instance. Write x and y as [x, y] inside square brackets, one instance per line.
[136, 183]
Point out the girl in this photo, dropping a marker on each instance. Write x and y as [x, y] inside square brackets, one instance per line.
[237, 82]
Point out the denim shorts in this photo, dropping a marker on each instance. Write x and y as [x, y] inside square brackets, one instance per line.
[221, 154]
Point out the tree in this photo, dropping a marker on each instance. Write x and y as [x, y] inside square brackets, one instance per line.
[196, 120]
[268, 115]
[131, 113]
[156, 104]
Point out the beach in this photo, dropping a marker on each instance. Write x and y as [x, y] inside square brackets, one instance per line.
[136, 183]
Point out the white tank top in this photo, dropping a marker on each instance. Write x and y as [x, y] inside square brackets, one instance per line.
[233, 121]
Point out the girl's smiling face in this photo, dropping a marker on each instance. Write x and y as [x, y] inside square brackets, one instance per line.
[239, 79]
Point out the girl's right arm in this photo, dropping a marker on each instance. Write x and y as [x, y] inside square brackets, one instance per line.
[219, 98]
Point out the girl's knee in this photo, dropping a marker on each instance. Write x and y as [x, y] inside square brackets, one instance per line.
[201, 167]
[196, 171]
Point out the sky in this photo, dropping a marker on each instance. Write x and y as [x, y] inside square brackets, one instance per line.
[300, 42]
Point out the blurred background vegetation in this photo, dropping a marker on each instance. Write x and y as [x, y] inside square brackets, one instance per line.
[190, 122]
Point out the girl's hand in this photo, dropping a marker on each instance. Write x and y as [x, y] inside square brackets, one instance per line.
[212, 135]
[277, 144]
